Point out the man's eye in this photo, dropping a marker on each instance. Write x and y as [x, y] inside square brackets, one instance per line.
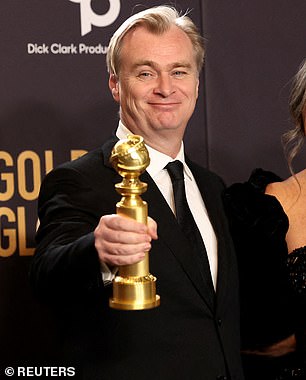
[179, 73]
[145, 75]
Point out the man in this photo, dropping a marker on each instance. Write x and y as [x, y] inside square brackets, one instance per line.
[154, 60]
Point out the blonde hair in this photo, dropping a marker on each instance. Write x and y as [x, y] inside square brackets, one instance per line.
[157, 20]
[293, 139]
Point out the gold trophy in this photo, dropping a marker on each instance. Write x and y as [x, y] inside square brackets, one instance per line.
[134, 288]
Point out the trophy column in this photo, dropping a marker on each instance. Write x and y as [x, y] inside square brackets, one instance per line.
[134, 288]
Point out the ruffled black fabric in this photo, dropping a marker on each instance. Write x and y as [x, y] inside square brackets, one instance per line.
[259, 226]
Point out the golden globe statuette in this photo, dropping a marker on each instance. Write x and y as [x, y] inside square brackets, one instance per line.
[134, 288]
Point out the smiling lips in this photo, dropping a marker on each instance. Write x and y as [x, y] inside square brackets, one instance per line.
[164, 105]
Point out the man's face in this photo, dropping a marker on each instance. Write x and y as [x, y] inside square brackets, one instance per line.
[158, 82]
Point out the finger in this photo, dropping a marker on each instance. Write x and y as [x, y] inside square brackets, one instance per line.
[123, 223]
[119, 249]
[109, 235]
[152, 228]
[122, 254]
[116, 261]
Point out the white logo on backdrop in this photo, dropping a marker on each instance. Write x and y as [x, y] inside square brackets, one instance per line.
[89, 17]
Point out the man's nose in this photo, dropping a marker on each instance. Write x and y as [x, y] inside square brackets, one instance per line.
[164, 85]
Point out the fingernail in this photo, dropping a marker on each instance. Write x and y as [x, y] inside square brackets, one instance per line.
[147, 247]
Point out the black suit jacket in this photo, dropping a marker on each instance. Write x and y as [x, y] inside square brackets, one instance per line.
[193, 334]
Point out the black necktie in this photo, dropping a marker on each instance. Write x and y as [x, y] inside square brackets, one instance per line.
[184, 216]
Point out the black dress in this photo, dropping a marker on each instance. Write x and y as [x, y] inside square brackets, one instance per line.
[272, 283]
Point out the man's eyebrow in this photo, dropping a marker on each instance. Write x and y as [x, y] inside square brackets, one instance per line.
[145, 63]
[185, 64]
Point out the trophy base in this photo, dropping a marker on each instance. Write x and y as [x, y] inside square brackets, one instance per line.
[134, 293]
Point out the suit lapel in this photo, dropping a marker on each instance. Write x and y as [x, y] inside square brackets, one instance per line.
[107, 149]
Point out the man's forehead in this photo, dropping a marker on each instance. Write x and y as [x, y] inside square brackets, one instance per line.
[149, 48]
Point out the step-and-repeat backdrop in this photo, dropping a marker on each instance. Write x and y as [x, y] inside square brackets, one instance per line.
[55, 106]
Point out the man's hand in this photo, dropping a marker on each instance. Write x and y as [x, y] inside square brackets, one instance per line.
[121, 240]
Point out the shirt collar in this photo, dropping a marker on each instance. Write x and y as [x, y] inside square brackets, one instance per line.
[158, 160]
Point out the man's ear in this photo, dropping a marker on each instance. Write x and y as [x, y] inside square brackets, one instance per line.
[114, 87]
[197, 89]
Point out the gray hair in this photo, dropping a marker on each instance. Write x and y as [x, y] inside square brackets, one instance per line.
[293, 139]
[157, 20]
